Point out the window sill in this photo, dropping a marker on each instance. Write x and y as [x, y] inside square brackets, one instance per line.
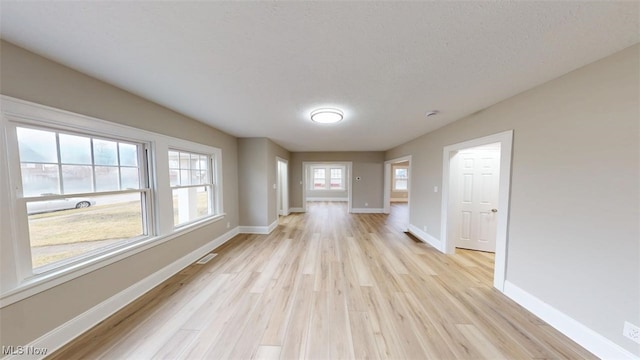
[54, 277]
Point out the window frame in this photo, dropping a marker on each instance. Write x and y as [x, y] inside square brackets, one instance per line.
[395, 178]
[327, 177]
[18, 280]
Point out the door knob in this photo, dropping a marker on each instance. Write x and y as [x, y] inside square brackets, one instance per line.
[494, 210]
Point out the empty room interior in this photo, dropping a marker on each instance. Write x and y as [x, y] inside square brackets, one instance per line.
[320, 180]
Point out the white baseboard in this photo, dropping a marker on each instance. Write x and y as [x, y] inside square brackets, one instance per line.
[399, 200]
[576, 331]
[296, 210]
[424, 237]
[58, 337]
[367, 211]
[327, 199]
[262, 230]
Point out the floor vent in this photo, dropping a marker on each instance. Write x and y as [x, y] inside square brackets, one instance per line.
[206, 258]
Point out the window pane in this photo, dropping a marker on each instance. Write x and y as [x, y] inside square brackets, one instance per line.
[336, 183]
[185, 177]
[401, 185]
[76, 179]
[174, 177]
[98, 222]
[174, 160]
[128, 154]
[129, 178]
[401, 173]
[190, 204]
[185, 159]
[195, 177]
[204, 163]
[37, 145]
[107, 178]
[75, 149]
[105, 152]
[39, 179]
[195, 162]
[318, 174]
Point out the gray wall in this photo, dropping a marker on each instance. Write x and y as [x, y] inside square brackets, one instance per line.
[573, 238]
[27, 76]
[274, 150]
[252, 181]
[368, 165]
[257, 171]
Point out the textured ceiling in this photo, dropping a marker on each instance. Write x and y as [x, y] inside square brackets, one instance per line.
[257, 69]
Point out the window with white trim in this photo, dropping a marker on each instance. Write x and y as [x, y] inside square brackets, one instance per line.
[192, 186]
[84, 192]
[327, 177]
[400, 179]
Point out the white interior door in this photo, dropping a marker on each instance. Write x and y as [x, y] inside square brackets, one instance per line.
[283, 188]
[477, 185]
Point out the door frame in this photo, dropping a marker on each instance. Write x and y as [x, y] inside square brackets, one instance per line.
[305, 180]
[282, 194]
[505, 139]
[388, 181]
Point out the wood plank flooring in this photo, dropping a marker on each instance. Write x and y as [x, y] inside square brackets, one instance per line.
[327, 285]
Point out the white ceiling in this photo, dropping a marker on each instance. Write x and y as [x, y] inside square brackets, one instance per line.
[257, 69]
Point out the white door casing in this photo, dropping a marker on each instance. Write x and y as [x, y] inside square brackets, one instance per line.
[475, 189]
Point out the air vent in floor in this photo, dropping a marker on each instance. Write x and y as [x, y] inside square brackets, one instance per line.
[205, 259]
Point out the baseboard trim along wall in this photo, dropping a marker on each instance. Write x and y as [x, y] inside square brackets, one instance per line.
[60, 336]
[296, 210]
[403, 200]
[424, 237]
[367, 211]
[261, 230]
[576, 331]
[328, 199]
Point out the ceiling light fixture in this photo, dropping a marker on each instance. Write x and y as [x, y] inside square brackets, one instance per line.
[326, 116]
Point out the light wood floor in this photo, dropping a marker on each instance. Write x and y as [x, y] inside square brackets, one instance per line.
[327, 285]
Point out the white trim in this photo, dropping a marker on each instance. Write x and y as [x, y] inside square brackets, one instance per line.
[282, 188]
[367, 211]
[327, 199]
[262, 230]
[56, 277]
[424, 237]
[576, 331]
[399, 200]
[58, 337]
[505, 139]
[273, 226]
[296, 210]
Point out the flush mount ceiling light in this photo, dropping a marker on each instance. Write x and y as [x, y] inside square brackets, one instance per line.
[326, 116]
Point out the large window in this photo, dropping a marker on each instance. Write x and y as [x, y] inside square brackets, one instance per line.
[329, 177]
[400, 179]
[191, 185]
[82, 193]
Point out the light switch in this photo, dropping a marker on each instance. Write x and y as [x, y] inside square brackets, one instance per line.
[435, 189]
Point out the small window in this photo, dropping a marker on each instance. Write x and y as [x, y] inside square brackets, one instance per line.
[327, 177]
[400, 179]
[319, 179]
[192, 186]
[82, 193]
[337, 179]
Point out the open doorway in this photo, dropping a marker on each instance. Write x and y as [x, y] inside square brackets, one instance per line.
[282, 196]
[326, 182]
[475, 197]
[397, 190]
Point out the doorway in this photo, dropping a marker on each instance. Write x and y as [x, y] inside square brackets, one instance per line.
[397, 190]
[325, 181]
[282, 196]
[451, 194]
